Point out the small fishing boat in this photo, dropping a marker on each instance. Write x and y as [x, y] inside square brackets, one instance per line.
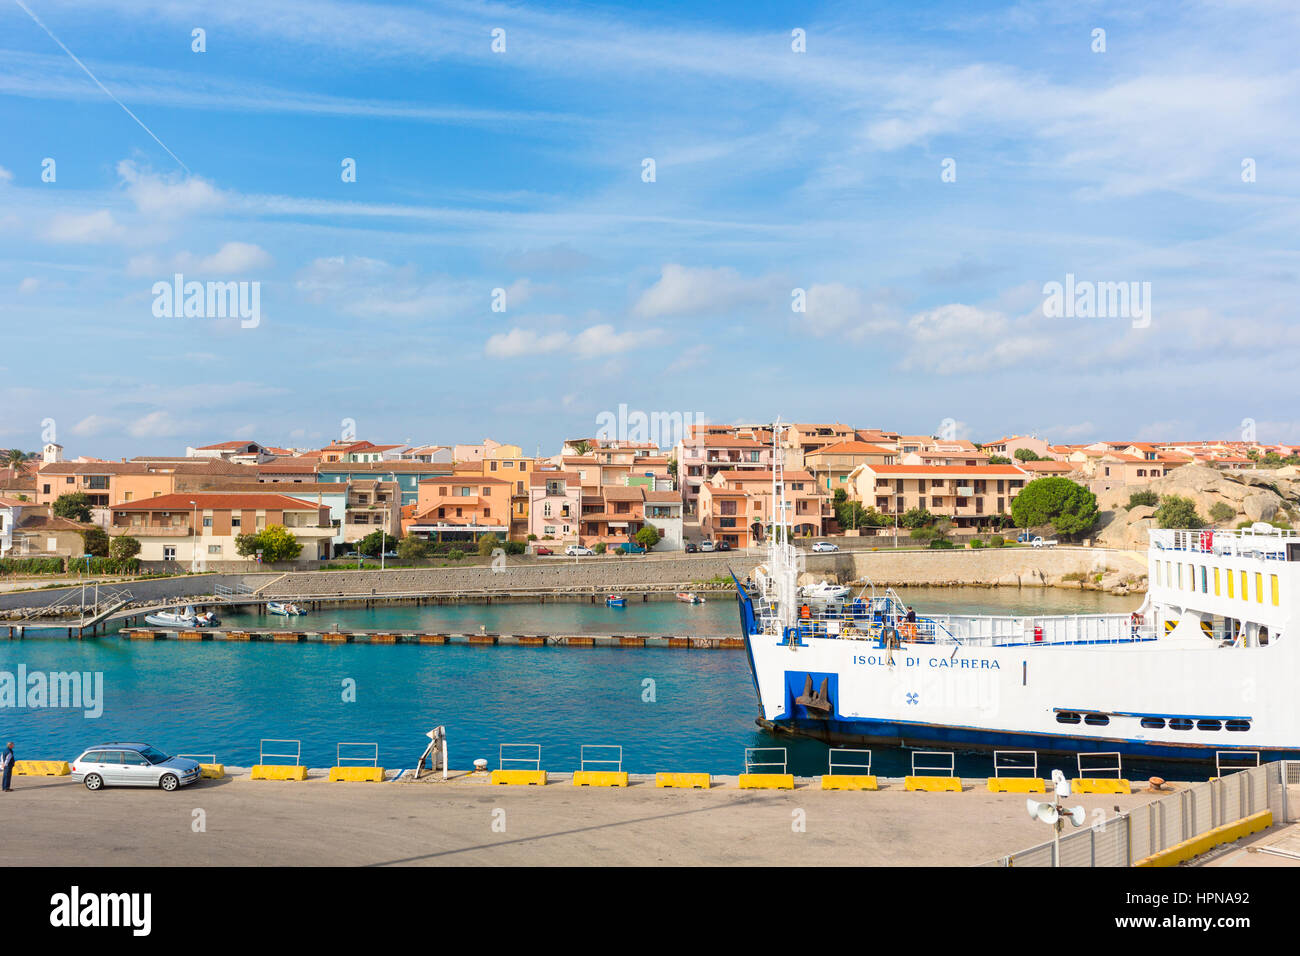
[615, 600]
[689, 597]
[825, 591]
[186, 618]
[283, 608]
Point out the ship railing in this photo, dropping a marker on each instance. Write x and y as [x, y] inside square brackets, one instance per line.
[1243, 543]
[973, 629]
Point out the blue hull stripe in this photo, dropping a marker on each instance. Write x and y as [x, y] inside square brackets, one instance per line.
[969, 738]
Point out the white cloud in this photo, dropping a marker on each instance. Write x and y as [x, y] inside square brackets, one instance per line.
[99, 226]
[166, 197]
[93, 425]
[159, 424]
[518, 342]
[684, 290]
[231, 259]
[603, 340]
[5, 176]
[29, 285]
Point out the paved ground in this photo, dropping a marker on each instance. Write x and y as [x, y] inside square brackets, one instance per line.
[57, 821]
[1250, 852]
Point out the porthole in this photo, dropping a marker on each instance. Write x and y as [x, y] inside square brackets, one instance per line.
[1153, 723]
[1096, 720]
[1066, 717]
[1180, 723]
[1209, 725]
[1238, 726]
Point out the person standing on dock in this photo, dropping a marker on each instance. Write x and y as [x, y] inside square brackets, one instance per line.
[7, 764]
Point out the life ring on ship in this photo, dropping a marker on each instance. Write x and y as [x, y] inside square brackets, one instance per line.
[908, 630]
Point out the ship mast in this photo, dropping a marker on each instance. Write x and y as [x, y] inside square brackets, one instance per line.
[782, 561]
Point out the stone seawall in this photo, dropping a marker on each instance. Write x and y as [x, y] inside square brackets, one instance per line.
[1013, 567]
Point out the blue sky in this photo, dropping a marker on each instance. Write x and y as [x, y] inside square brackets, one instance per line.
[522, 170]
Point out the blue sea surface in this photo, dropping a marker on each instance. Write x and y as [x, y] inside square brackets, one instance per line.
[670, 709]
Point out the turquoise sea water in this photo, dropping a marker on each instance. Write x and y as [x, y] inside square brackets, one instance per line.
[669, 709]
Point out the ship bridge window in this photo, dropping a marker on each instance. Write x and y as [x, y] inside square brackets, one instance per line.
[1238, 726]
[1153, 723]
[1180, 723]
[1096, 720]
[1066, 717]
[1209, 725]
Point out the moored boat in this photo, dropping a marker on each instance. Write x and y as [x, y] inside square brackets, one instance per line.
[283, 608]
[689, 597]
[615, 600]
[1205, 665]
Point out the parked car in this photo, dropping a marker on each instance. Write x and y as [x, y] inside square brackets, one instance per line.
[577, 550]
[825, 546]
[543, 549]
[722, 546]
[1040, 543]
[631, 547]
[133, 765]
[692, 547]
[706, 546]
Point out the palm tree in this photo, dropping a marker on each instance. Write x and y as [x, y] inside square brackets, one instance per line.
[15, 458]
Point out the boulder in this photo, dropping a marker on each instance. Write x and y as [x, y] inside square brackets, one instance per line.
[1261, 506]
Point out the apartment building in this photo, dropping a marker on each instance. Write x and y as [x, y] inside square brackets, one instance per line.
[736, 506]
[800, 441]
[238, 452]
[968, 494]
[704, 457]
[194, 529]
[371, 505]
[407, 474]
[554, 504]
[831, 465]
[118, 482]
[1008, 445]
[462, 507]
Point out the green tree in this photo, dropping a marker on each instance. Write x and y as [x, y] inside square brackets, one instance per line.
[916, 518]
[582, 447]
[124, 547]
[373, 543]
[95, 541]
[74, 506]
[999, 460]
[1222, 511]
[647, 536]
[1142, 499]
[412, 548]
[275, 542]
[15, 458]
[1067, 506]
[1024, 454]
[1175, 511]
[488, 543]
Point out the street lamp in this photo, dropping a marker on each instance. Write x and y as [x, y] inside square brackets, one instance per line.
[194, 537]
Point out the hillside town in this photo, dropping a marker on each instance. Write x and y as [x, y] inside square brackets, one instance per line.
[236, 502]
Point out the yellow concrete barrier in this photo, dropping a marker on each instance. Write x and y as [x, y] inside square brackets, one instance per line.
[599, 778]
[1208, 840]
[535, 778]
[212, 771]
[767, 781]
[273, 771]
[1100, 785]
[357, 774]
[42, 768]
[683, 780]
[1017, 785]
[932, 784]
[849, 781]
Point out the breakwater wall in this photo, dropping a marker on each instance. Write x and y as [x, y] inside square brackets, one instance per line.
[1011, 567]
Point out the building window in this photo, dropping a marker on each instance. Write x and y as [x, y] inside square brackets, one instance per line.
[214, 549]
[207, 521]
[235, 521]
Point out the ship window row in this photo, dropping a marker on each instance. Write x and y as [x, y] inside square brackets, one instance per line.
[1159, 723]
[1200, 578]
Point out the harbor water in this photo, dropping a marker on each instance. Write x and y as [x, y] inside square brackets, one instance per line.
[678, 709]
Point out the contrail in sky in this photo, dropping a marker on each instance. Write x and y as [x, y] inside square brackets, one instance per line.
[37, 21]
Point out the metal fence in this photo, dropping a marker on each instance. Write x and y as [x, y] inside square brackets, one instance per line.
[1158, 825]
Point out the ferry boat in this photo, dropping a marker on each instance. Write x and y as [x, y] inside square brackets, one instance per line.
[1206, 663]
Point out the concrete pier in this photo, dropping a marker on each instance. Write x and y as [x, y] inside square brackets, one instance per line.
[459, 822]
[290, 635]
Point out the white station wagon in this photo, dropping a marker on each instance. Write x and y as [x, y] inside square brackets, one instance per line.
[133, 765]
